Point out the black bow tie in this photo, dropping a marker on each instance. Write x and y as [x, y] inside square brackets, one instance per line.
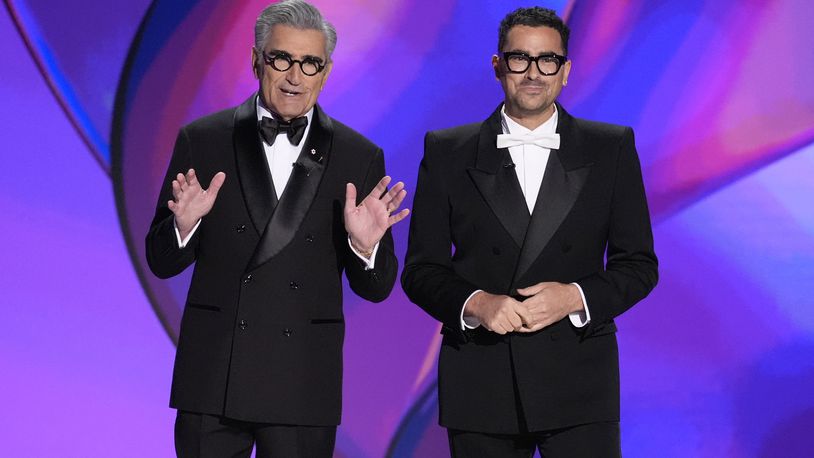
[294, 129]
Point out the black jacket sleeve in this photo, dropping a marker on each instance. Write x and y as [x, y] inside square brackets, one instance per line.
[375, 284]
[428, 278]
[164, 256]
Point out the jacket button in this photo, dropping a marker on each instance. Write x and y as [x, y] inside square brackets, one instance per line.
[241, 228]
[293, 285]
[243, 325]
[374, 275]
[309, 238]
[247, 279]
[287, 332]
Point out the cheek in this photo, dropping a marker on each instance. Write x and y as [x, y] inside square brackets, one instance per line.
[511, 83]
[319, 83]
[269, 80]
[316, 87]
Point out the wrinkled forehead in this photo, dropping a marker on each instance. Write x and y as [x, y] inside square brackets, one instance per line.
[296, 42]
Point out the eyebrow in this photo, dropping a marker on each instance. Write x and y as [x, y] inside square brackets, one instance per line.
[523, 51]
[307, 56]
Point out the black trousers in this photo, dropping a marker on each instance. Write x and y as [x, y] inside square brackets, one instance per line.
[593, 440]
[209, 436]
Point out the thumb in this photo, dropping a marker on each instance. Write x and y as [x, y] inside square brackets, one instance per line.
[531, 290]
[350, 196]
[216, 183]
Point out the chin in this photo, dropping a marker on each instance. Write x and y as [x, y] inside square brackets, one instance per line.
[289, 112]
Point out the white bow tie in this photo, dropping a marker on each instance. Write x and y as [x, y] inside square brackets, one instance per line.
[550, 141]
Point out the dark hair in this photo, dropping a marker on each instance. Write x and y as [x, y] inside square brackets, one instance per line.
[533, 17]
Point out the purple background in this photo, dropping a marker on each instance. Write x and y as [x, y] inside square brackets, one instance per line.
[718, 361]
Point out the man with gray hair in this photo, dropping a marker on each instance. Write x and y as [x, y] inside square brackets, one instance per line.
[259, 356]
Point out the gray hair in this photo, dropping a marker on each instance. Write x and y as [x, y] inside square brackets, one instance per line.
[295, 13]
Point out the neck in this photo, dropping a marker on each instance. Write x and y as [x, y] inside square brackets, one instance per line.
[530, 120]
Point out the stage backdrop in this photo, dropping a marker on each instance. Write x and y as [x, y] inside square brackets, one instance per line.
[717, 362]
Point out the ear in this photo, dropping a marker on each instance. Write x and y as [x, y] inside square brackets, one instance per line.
[328, 67]
[566, 70]
[496, 66]
[257, 63]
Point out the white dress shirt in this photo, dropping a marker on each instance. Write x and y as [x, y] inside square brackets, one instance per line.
[282, 155]
[529, 165]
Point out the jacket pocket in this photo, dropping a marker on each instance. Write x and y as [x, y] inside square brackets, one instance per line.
[211, 308]
[327, 321]
[603, 329]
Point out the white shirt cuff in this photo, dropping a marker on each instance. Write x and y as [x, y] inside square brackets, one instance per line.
[183, 243]
[369, 263]
[583, 317]
[469, 322]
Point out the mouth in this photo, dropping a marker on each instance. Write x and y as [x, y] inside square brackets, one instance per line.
[290, 92]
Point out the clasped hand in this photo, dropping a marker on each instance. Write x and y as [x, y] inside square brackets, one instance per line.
[545, 304]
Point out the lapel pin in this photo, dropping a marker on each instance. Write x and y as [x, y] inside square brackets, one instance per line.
[316, 157]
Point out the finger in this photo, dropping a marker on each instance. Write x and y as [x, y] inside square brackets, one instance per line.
[534, 328]
[172, 205]
[514, 321]
[492, 327]
[181, 179]
[216, 183]
[526, 317]
[531, 290]
[350, 196]
[380, 187]
[395, 202]
[176, 190]
[393, 219]
[192, 178]
[498, 328]
[393, 192]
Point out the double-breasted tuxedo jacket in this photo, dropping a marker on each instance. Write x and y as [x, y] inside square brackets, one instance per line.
[262, 330]
[471, 229]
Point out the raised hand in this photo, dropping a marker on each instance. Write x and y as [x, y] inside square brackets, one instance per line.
[367, 222]
[549, 302]
[191, 202]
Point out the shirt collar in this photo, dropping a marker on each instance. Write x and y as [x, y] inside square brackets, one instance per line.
[510, 126]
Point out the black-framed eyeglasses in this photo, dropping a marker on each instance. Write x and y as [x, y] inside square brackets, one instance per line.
[281, 62]
[548, 64]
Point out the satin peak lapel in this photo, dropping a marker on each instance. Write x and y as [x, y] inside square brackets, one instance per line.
[496, 180]
[252, 166]
[299, 193]
[565, 174]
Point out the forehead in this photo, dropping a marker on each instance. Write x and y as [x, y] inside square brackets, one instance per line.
[533, 40]
[297, 42]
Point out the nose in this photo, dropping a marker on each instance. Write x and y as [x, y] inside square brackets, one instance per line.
[533, 72]
[294, 75]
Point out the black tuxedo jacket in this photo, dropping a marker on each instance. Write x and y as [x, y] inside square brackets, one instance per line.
[262, 331]
[470, 229]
